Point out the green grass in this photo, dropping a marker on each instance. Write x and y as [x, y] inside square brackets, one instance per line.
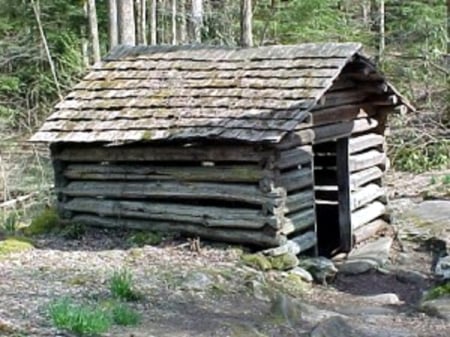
[446, 179]
[121, 286]
[79, 319]
[124, 315]
[45, 222]
[438, 291]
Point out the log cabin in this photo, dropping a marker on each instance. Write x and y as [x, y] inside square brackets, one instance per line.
[264, 146]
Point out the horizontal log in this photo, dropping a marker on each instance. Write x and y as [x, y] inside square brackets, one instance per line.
[219, 153]
[367, 214]
[299, 200]
[367, 159]
[173, 190]
[364, 142]
[294, 157]
[363, 177]
[339, 113]
[344, 97]
[296, 179]
[364, 195]
[369, 230]
[202, 215]
[295, 245]
[299, 221]
[237, 173]
[240, 236]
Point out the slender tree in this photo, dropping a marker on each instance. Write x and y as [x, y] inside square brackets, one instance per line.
[246, 23]
[153, 11]
[127, 30]
[182, 25]
[174, 22]
[382, 37]
[141, 9]
[197, 20]
[93, 31]
[113, 34]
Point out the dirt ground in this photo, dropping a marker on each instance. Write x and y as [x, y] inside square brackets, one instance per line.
[227, 305]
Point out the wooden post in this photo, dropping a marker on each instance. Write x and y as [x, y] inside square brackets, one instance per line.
[60, 182]
[343, 180]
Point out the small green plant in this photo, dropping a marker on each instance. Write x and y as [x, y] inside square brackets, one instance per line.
[121, 286]
[124, 315]
[73, 231]
[438, 291]
[79, 319]
[15, 245]
[141, 238]
[45, 222]
[446, 179]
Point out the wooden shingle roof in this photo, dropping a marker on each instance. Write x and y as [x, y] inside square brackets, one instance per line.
[181, 93]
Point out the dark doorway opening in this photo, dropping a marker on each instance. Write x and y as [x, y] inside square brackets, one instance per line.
[332, 196]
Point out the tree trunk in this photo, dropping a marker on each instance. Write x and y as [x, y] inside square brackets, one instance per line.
[246, 23]
[381, 32]
[127, 29]
[84, 38]
[141, 9]
[93, 31]
[153, 8]
[113, 34]
[197, 20]
[174, 22]
[182, 26]
[366, 12]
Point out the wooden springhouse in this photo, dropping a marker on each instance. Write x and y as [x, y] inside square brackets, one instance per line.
[257, 146]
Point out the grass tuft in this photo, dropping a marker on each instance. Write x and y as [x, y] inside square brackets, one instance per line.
[439, 291]
[121, 286]
[79, 319]
[45, 222]
[124, 315]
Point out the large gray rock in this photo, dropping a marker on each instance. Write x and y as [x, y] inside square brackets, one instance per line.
[442, 269]
[302, 273]
[439, 307]
[357, 266]
[341, 327]
[410, 276]
[382, 299]
[377, 251]
[197, 281]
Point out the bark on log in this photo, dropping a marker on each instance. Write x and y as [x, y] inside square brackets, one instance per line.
[296, 179]
[367, 231]
[363, 177]
[365, 142]
[207, 216]
[163, 153]
[255, 237]
[294, 157]
[238, 173]
[295, 245]
[365, 195]
[299, 221]
[367, 159]
[367, 214]
[144, 190]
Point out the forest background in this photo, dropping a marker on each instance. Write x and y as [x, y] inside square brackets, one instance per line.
[47, 45]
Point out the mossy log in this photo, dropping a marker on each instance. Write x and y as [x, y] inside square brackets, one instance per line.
[295, 245]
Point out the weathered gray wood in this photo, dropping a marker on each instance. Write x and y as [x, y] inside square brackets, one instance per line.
[299, 200]
[299, 221]
[111, 75]
[337, 98]
[294, 157]
[367, 214]
[295, 245]
[364, 195]
[364, 142]
[340, 113]
[208, 216]
[241, 153]
[343, 173]
[253, 237]
[367, 159]
[363, 177]
[169, 189]
[369, 230]
[295, 179]
[237, 173]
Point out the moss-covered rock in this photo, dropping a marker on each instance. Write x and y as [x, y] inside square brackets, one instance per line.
[257, 261]
[283, 262]
[45, 222]
[15, 245]
[439, 291]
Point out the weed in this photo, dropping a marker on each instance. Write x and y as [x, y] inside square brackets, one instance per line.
[124, 315]
[45, 222]
[79, 319]
[446, 179]
[73, 231]
[433, 180]
[438, 291]
[141, 238]
[121, 286]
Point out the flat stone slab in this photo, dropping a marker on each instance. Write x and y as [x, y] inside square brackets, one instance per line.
[439, 307]
[377, 251]
[433, 217]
